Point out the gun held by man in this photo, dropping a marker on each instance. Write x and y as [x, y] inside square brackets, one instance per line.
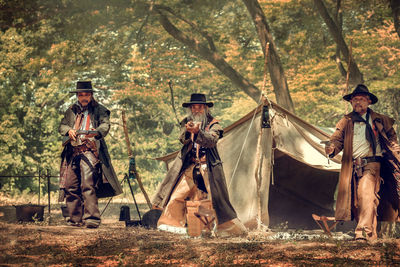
[67, 139]
[326, 143]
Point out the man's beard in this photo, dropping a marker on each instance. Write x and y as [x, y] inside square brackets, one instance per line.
[360, 109]
[198, 117]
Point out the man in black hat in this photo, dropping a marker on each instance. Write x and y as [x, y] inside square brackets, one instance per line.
[197, 174]
[86, 172]
[369, 183]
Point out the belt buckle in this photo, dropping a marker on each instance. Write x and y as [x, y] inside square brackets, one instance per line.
[364, 162]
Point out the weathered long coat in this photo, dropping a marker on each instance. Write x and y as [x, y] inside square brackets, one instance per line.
[208, 139]
[342, 139]
[100, 118]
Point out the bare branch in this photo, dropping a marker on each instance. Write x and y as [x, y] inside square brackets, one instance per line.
[211, 56]
[356, 76]
[203, 33]
[146, 19]
[173, 100]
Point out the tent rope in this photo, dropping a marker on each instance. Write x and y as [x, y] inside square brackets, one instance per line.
[245, 139]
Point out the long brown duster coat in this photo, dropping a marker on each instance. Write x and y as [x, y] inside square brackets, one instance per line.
[107, 183]
[389, 193]
[208, 139]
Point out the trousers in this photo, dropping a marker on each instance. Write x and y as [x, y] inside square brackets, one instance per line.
[367, 201]
[81, 199]
[186, 188]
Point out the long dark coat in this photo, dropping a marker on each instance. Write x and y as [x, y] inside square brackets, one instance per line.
[208, 139]
[389, 193]
[107, 185]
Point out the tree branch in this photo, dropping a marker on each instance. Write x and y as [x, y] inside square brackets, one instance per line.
[355, 74]
[173, 101]
[276, 71]
[211, 56]
[395, 6]
[203, 33]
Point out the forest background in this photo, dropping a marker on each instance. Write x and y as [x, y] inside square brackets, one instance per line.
[147, 57]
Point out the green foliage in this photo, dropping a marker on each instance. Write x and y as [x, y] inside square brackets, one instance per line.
[46, 46]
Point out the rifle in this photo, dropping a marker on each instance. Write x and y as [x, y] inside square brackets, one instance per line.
[67, 139]
[132, 165]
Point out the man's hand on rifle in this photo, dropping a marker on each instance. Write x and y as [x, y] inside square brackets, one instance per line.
[192, 127]
[72, 134]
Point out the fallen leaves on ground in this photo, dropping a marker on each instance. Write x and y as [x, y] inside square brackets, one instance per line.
[113, 244]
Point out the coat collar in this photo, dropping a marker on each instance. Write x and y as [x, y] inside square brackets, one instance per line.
[372, 114]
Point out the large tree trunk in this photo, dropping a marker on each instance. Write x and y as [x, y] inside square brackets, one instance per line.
[339, 22]
[355, 76]
[276, 72]
[210, 55]
[395, 6]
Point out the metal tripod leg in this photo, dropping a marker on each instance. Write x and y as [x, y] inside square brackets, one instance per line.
[134, 199]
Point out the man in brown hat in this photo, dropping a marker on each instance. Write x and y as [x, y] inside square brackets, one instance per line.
[86, 170]
[369, 183]
[197, 174]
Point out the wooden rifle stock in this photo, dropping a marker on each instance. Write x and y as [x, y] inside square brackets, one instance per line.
[130, 154]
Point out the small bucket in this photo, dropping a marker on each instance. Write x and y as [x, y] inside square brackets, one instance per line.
[124, 214]
[29, 212]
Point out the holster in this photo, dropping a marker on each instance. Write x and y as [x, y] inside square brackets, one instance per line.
[359, 164]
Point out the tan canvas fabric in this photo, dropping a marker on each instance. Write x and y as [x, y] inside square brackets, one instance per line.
[308, 183]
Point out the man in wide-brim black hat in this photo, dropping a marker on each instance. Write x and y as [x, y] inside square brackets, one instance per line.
[370, 151]
[86, 169]
[197, 175]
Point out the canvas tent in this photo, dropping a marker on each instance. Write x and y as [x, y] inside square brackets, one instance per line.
[295, 177]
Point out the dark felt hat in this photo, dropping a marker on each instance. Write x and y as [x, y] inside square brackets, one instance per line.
[198, 99]
[361, 89]
[83, 86]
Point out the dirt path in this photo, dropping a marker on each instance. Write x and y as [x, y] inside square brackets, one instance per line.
[38, 244]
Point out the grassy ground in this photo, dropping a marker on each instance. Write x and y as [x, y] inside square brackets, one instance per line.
[113, 244]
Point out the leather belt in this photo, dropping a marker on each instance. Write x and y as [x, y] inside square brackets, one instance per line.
[80, 149]
[372, 159]
[201, 160]
[361, 162]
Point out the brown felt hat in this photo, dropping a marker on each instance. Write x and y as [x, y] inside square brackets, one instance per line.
[361, 89]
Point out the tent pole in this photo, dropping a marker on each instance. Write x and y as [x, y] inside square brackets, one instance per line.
[257, 175]
[258, 178]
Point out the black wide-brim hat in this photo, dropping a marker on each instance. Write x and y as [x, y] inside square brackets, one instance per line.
[361, 89]
[198, 99]
[83, 86]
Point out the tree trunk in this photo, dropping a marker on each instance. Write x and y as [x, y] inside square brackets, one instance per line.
[356, 76]
[339, 22]
[395, 6]
[276, 71]
[211, 56]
